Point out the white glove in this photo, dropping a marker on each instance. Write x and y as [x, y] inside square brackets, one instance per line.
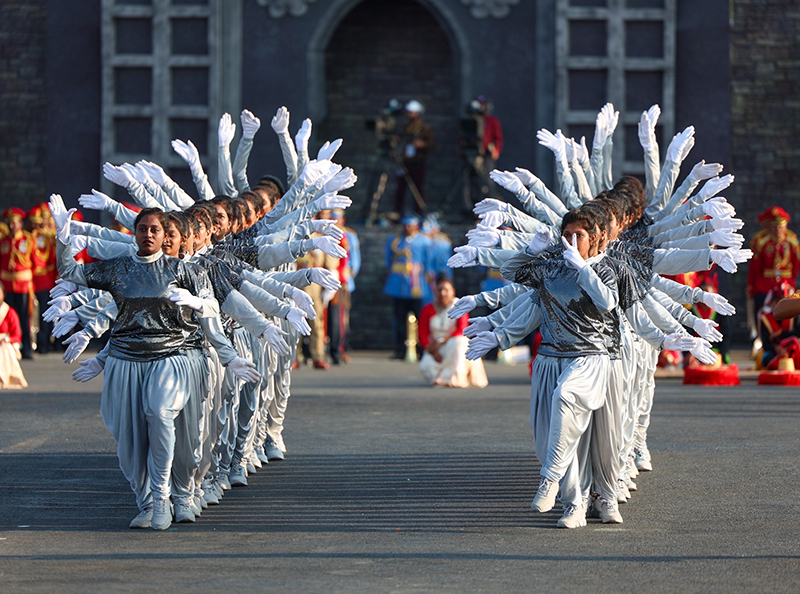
[327, 245]
[493, 219]
[678, 342]
[184, 297]
[63, 288]
[280, 123]
[61, 217]
[725, 238]
[540, 242]
[508, 180]
[481, 344]
[572, 255]
[483, 236]
[490, 205]
[341, 181]
[327, 227]
[464, 257]
[139, 173]
[89, 369]
[331, 201]
[718, 303]
[78, 243]
[328, 150]
[155, 171]
[327, 296]
[118, 175]
[95, 201]
[554, 142]
[462, 305]
[647, 128]
[612, 118]
[719, 208]
[476, 326]
[681, 145]
[582, 153]
[727, 224]
[188, 152]
[273, 335]
[325, 279]
[569, 147]
[303, 301]
[714, 186]
[601, 131]
[58, 307]
[525, 176]
[302, 137]
[77, 344]
[703, 352]
[243, 369]
[703, 171]
[297, 318]
[250, 124]
[65, 324]
[226, 130]
[729, 258]
[707, 329]
[314, 170]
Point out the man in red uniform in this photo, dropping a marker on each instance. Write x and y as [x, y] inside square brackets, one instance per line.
[43, 258]
[776, 258]
[16, 272]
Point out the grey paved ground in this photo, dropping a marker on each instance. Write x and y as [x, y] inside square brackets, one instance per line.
[390, 486]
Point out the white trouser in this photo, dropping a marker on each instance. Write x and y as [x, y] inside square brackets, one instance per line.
[188, 430]
[648, 394]
[282, 384]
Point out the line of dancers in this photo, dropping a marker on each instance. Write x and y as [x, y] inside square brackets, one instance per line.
[588, 269]
[204, 307]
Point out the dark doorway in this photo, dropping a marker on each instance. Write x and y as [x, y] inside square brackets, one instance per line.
[383, 50]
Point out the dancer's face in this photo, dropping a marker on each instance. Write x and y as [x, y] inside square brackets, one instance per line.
[201, 236]
[149, 235]
[585, 241]
[172, 241]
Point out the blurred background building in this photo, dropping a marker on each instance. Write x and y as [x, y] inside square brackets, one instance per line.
[88, 81]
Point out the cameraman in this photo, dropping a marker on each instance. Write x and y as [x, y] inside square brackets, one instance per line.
[415, 142]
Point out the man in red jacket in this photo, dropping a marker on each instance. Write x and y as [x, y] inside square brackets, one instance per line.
[16, 272]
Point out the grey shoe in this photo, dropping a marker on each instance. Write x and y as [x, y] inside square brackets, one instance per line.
[237, 476]
[608, 510]
[143, 520]
[162, 516]
[253, 459]
[545, 496]
[209, 493]
[197, 508]
[261, 455]
[183, 513]
[224, 483]
[272, 450]
[574, 516]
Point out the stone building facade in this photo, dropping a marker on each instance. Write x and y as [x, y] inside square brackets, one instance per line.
[91, 80]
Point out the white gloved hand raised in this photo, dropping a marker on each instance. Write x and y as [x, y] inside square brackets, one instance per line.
[508, 180]
[678, 341]
[572, 255]
[58, 307]
[341, 181]
[725, 238]
[327, 245]
[63, 288]
[95, 201]
[328, 150]
[325, 279]
[61, 217]
[647, 127]
[330, 201]
[280, 122]
[481, 344]
[78, 243]
[612, 118]
[462, 305]
[476, 326]
[493, 219]
[184, 297]
[582, 153]
[297, 318]
[554, 142]
[137, 173]
[707, 329]
[327, 296]
[243, 369]
[704, 170]
[188, 152]
[714, 186]
[726, 224]
[703, 352]
[226, 130]
[464, 257]
[302, 136]
[250, 124]
[327, 227]
[77, 344]
[680, 146]
[727, 259]
[483, 236]
[718, 303]
[155, 171]
[719, 208]
[65, 324]
[274, 337]
[315, 169]
[89, 369]
[490, 205]
[540, 242]
[303, 301]
[601, 130]
[118, 175]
